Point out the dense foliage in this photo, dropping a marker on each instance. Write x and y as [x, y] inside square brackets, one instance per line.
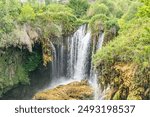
[79, 7]
[45, 21]
[132, 46]
[125, 23]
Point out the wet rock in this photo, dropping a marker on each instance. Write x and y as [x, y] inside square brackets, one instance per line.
[72, 91]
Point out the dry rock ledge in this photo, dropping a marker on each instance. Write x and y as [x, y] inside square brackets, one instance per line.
[73, 91]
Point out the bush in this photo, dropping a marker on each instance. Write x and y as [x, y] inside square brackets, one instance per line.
[27, 13]
[131, 13]
[8, 14]
[32, 61]
[130, 46]
[79, 7]
[58, 16]
[97, 9]
[144, 11]
[58, 8]
[111, 5]
[112, 22]
[97, 23]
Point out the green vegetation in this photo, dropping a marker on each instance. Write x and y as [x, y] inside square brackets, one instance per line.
[22, 26]
[123, 60]
[144, 11]
[97, 23]
[51, 20]
[27, 13]
[32, 61]
[96, 8]
[79, 7]
[132, 46]
[11, 69]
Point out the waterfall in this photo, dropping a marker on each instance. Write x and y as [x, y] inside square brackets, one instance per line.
[73, 45]
[83, 53]
[73, 61]
[78, 54]
[57, 65]
[54, 66]
[93, 74]
[100, 41]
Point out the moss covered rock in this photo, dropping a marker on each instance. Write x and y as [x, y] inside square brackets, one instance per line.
[12, 71]
[72, 91]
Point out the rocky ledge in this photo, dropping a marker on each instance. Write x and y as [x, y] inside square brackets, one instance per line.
[72, 91]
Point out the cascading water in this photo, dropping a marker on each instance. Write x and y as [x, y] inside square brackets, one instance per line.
[57, 65]
[74, 43]
[76, 65]
[78, 60]
[54, 62]
[93, 74]
[81, 66]
[100, 41]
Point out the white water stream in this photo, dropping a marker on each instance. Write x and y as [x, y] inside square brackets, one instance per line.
[78, 60]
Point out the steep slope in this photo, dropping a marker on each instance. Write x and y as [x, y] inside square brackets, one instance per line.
[124, 63]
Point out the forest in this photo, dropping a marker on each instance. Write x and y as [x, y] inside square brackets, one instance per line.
[74, 39]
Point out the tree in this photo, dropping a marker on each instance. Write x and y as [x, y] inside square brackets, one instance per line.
[9, 11]
[98, 9]
[144, 11]
[79, 7]
[131, 13]
[27, 13]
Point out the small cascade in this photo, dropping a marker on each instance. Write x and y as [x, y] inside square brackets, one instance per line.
[57, 68]
[93, 74]
[54, 65]
[62, 60]
[100, 41]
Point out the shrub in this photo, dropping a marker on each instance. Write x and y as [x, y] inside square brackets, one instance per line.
[79, 7]
[32, 61]
[111, 23]
[8, 13]
[144, 11]
[131, 13]
[59, 16]
[97, 23]
[97, 9]
[129, 46]
[27, 13]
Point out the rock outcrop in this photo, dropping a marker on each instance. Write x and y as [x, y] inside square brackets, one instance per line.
[72, 91]
[125, 85]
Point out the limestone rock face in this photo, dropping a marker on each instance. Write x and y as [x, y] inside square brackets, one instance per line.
[72, 91]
